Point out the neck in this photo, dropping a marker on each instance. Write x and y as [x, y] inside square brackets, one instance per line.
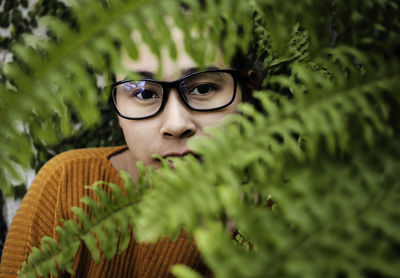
[124, 161]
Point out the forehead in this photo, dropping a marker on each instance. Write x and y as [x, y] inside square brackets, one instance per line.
[171, 69]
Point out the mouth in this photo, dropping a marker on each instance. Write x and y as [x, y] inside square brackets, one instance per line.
[179, 155]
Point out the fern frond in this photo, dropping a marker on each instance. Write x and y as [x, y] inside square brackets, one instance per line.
[184, 272]
[330, 115]
[106, 228]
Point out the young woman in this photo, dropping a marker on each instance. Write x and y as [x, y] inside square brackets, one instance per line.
[157, 117]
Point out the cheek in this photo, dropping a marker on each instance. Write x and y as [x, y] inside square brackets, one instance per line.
[213, 118]
[137, 136]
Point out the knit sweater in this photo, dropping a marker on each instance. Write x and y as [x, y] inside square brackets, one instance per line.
[58, 186]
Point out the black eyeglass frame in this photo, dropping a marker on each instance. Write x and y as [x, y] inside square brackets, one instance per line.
[167, 86]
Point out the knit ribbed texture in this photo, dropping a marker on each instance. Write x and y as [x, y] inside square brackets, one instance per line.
[58, 186]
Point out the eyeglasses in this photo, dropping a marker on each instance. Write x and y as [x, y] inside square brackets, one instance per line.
[202, 91]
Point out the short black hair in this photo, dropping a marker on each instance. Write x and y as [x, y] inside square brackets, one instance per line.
[251, 68]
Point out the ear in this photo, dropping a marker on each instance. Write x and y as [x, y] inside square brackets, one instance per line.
[253, 79]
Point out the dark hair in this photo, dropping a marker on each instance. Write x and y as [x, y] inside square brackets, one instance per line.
[251, 68]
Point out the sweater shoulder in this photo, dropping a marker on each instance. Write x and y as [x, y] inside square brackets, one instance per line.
[85, 163]
[89, 154]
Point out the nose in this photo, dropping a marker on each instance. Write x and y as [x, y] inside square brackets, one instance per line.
[177, 121]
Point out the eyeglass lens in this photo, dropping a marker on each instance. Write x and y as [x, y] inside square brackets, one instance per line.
[204, 91]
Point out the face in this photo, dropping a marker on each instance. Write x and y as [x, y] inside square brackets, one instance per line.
[168, 132]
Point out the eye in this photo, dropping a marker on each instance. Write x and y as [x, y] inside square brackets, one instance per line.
[145, 94]
[203, 89]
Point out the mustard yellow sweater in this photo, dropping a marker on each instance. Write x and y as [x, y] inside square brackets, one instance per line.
[58, 186]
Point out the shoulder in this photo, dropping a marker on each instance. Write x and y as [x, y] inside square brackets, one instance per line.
[80, 155]
[78, 162]
[76, 168]
[63, 178]
[88, 153]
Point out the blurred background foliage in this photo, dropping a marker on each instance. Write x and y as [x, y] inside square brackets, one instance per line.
[324, 144]
[19, 18]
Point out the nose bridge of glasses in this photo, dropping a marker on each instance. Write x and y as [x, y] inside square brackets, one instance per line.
[168, 86]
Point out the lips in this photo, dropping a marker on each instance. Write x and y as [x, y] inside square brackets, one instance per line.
[181, 154]
[176, 154]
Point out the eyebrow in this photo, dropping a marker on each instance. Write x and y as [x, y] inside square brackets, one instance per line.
[184, 71]
[145, 74]
[187, 71]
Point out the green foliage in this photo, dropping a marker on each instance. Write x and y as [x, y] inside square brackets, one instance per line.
[107, 225]
[323, 147]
